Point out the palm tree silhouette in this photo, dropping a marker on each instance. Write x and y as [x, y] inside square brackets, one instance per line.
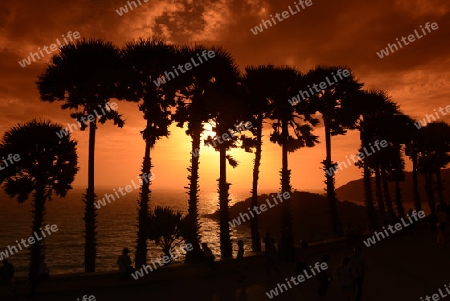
[86, 74]
[395, 130]
[47, 166]
[433, 148]
[166, 228]
[226, 104]
[373, 105]
[257, 85]
[285, 82]
[149, 60]
[192, 109]
[337, 105]
[412, 136]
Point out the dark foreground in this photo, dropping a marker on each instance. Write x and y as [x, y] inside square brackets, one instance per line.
[402, 267]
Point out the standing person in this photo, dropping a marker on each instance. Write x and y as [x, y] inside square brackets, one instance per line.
[42, 273]
[240, 254]
[324, 278]
[7, 276]
[360, 267]
[125, 265]
[208, 255]
[346, 276]
[240, 261]
[271, 254]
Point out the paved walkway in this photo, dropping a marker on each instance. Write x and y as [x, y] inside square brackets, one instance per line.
[401, 267]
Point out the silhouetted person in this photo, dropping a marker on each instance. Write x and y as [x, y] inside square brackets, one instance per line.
[271, 254]
[125, 265]
[324, 278]
[40, 275]
[360, 267]
[208, 255]
[7, 276]
[346, 276]
[240, 261]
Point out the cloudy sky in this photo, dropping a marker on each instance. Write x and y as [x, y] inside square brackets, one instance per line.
[348, 32]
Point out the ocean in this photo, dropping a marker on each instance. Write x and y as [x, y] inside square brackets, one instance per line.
[116, 227]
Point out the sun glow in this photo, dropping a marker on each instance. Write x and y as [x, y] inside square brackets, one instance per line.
[208, 131]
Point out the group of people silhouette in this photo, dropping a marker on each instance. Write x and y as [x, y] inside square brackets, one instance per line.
[350, 274]
[125, 263]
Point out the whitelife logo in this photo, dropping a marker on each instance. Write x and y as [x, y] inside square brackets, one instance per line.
[341, 165]
[427, 117]
[411, 38]
[162, 261]
[435, 297]
[11, 158]
[90, 118]
[31, 240]
[162, 80]
[128, 189]
[53, 47]
[323, 85]
[245, 217]
[300, 278]
[371, 240]
[285, 14]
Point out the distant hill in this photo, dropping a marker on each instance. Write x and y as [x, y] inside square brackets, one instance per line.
[354, 191]
[310, 214]
[310, 210]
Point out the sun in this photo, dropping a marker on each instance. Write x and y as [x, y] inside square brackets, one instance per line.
[207, 131]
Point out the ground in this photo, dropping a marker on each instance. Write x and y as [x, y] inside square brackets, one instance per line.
[401, 267]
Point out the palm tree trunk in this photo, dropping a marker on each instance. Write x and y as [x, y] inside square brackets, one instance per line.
[254, 227]
[286, 218]
[440, 187]
[90, 247]
[371, 213]
[37, 249]
[225, 239]
[194, 227]
[429, 189]
[331, 194]
[379, 194]
[143, 211]
[415, 180]
[398, 200]
[388, 199]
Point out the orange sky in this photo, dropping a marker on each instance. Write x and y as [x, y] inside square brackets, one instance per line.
[346, 32]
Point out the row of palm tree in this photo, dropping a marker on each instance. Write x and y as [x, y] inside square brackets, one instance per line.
[88, 73]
